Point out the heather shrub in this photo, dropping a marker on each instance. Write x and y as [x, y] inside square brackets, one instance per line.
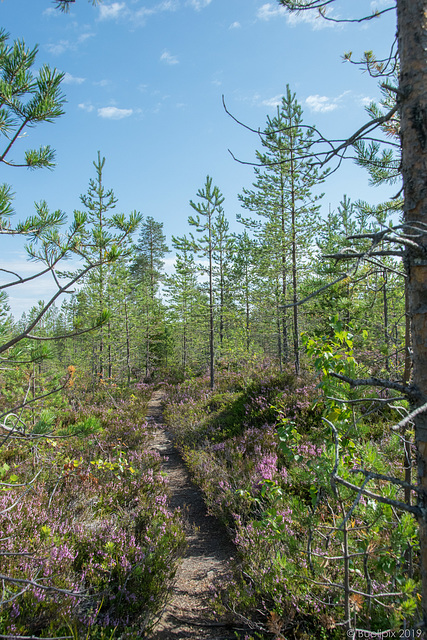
[200, 416]
[308, 555]
[92, 532]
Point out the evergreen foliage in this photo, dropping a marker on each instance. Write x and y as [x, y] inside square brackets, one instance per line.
[277, 432]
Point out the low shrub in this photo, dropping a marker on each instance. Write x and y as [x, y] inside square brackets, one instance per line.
[90, 543]
[310, 560]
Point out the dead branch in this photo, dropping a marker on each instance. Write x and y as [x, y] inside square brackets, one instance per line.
[409, 391]
[393, 503]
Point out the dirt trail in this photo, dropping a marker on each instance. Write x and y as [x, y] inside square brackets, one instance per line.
[187, 614]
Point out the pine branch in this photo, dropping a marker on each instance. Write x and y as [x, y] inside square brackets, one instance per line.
[378, 382]
[393, 503]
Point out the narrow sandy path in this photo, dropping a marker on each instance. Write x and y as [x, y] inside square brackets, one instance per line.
[187, 614]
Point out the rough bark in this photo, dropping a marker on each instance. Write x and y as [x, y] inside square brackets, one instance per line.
[412, 40]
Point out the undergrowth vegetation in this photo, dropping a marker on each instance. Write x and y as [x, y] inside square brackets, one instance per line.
[280, 460]
[88, 541]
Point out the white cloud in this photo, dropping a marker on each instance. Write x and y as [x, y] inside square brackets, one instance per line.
[380, 4]
[235, 25]
[272, 102]
[167, 5]
[85, 36]
[169, 58]
[324, 104]
[312, 18]
[119, 10]
[102, 83]
[113, 113]
[65, 45]
[86, 106]
[320, 104]
[269, 10]
[198, 4]
[143, 13]
[111, 11]
[51, 11]
[365, 101]
[69, 79]
[59, 47]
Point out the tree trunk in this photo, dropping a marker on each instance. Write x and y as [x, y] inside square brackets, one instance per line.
[101, 354]
[284, 269]
[294, 263]
[385, 314]
[110, 359]
[412, 39]
[147, 342]
[184, 338]
[248, 337]
[211, 313]
[408, 359]
[279, 331]
[221, 301]
[128, 368]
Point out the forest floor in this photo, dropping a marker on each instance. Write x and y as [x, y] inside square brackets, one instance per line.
[187, 614]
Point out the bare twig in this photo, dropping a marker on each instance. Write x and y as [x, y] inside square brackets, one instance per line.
[394, 503]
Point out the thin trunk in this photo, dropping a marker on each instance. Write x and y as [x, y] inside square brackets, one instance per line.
[408, 360]
[184, 337]
[248, 342]
[152, 265]
[412, 42]
[279, 334]
[347, 316]
[211, 312]
[34, 392]
[184, 347]
[407, 457]
[147, 342]
[101, 295]
[101, 354]
[221, 303]
[284, 270]
[110, 360]
[385, 314]
[127, 342]
[346, 556]
[74, 339]
[294, 261]
[94, 365]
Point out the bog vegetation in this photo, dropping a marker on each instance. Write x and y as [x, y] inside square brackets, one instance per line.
[294, 419]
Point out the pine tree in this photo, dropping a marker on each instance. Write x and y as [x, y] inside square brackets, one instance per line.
[146, 270]
[283, 194]
[222, 257]
[150, 251]
[26, 99]
[412, 107]
[186, 304]
[243, 274]
[105, 230]
[210, 203]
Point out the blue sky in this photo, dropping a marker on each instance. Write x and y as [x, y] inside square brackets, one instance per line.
[144, 80]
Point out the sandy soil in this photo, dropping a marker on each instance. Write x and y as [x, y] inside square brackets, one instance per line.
[187, 614]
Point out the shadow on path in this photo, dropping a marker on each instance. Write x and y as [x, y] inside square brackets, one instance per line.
[209, 547]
